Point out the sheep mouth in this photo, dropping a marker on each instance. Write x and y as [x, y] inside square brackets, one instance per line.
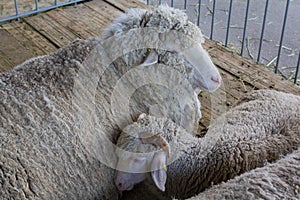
[199, 84]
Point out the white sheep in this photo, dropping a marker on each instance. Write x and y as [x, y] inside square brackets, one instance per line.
[263, 127]
[57, 121]
[169, 91]
[279, 180]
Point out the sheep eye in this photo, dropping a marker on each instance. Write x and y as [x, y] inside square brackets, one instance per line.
[148, 51]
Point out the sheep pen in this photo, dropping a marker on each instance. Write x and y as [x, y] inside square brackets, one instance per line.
[262, 128]
[56, 113]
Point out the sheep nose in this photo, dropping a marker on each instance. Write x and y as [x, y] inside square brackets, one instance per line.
[216, 79]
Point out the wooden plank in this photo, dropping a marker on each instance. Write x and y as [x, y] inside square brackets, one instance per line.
[5, 65]
[104, 9]
[12, 51]
[29, 38]
[80, 20]
[51, 29]
[124, 5]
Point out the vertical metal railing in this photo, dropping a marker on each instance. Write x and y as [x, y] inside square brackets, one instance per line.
[245, 40]
[282, 35]
[37, 9]
[228, 23]
[213, 20]
[16, 7]
[36, 5]
[297, 69]
[245, 27]
[199, 12]
[262, 30]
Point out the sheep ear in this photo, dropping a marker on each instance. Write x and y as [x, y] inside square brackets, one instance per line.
[151, 59]
[159, 174]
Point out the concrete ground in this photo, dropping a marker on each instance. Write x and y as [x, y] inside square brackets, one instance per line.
[274, 20]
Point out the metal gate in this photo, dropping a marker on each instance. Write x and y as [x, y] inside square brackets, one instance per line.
[39, 6]
[267, 31]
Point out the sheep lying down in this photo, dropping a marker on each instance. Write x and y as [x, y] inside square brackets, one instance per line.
[239, 147]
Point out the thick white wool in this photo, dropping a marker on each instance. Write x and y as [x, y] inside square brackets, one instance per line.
[163, 19]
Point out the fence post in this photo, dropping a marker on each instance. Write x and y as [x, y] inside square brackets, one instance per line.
[212, 20]
[228, 23]
[245, 27]
[282, 35]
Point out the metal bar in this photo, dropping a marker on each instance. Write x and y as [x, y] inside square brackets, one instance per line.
[199, 13]
[185, 4]
[55, 2]
[262, 31]
[297, 69]
[282, 35]
[212, 20]
[159, 2]
[172, 3]
[148, 2]
[228, 23]
[37, 11]
[36, 5]
[16, 7]
[245, 27]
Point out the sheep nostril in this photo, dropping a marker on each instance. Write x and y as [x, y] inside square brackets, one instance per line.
[216, 79]
[120, 185]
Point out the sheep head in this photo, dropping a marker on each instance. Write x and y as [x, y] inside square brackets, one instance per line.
[176, 35]
[135, 166]
[127, 180]
[200, 70]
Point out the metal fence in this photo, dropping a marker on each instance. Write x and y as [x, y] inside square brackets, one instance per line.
[231, 22]
[17, 14]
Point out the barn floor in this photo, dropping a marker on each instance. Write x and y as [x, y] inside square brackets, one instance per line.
[44, 33]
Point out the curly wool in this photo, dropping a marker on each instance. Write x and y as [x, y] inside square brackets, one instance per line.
[43, 154]
[144, 26]
[163, 19]
[263, 127]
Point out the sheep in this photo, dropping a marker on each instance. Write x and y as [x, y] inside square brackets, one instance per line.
[279, 180]
[179, 48]
[58, 125]
[42, 154]
[259, 129]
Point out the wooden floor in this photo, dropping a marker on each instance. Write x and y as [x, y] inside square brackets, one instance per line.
[44, 33]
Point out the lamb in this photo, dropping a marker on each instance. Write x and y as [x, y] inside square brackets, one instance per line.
[279, 180]
[58, 123]
[261, 128]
